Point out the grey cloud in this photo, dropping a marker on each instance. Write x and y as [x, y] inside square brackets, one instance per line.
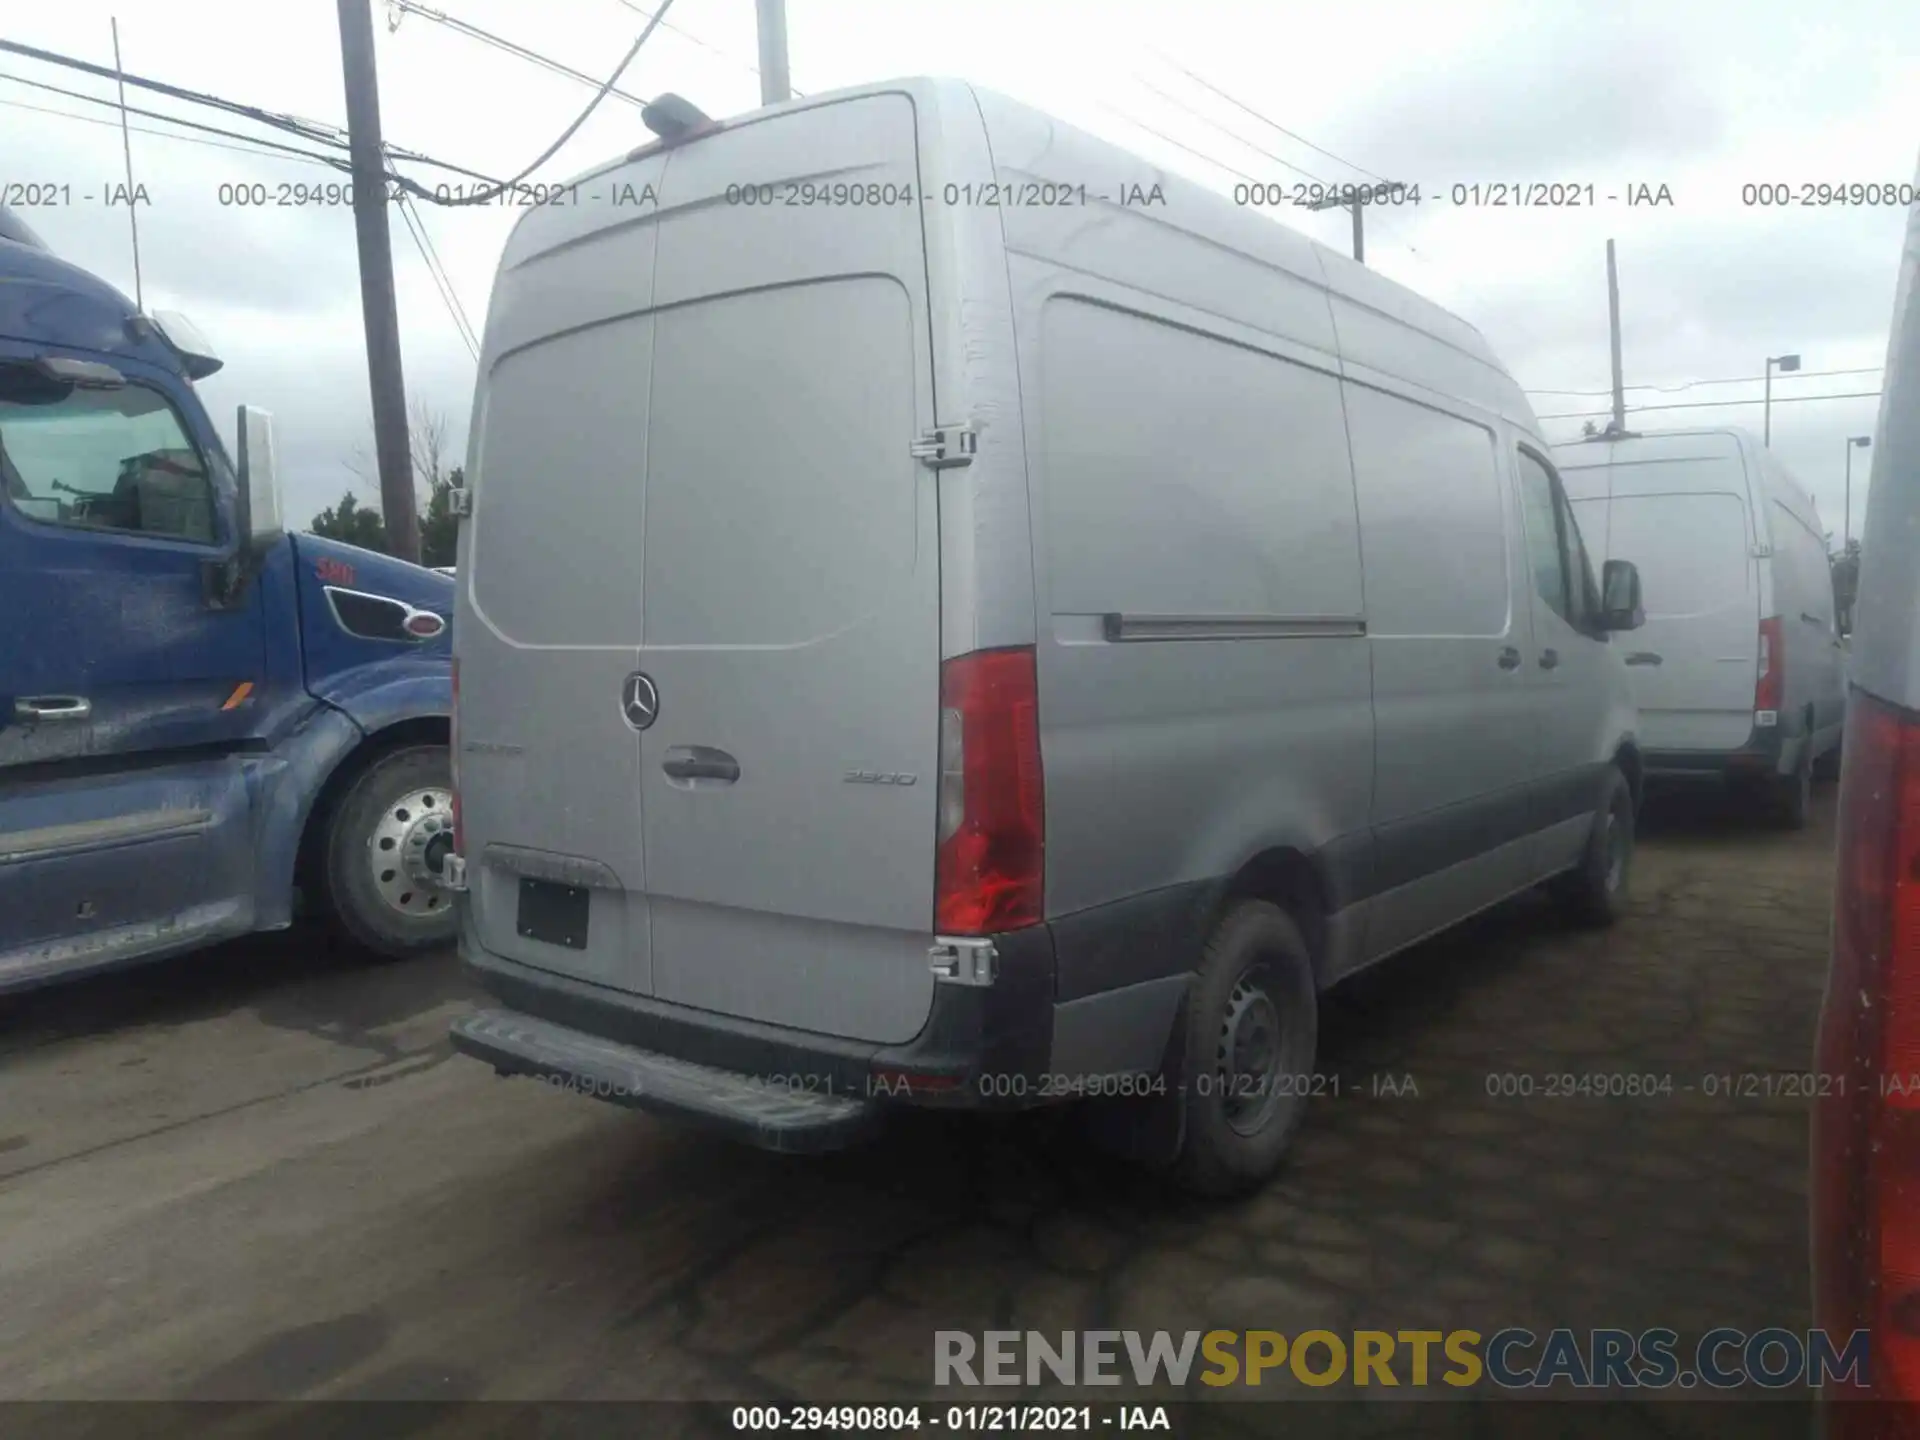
[1540, 103]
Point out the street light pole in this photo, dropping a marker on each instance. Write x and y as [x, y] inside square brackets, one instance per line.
[1788, 364]
[1846, 520]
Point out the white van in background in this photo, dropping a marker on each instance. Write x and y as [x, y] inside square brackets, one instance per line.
[1738, 670]
[952, 615]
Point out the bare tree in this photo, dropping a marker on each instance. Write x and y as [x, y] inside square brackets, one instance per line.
[426, 445]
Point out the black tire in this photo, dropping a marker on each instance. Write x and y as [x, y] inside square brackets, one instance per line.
[1793, 794]
[1594, 892]
[363, 892]
[1827, 767]
[1243, 1103]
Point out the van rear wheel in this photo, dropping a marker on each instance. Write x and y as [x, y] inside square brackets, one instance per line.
[386, 841]
[1793, 794]
[1252, 1022]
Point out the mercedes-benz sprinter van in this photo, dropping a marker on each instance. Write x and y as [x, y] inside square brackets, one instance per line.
[1738, 672]
[951, 614]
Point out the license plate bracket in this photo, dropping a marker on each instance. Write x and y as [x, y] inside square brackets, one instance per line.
[554, 914]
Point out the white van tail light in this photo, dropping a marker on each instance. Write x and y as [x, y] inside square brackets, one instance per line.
[1866, 1121]
[988, 868]
[1769, 684]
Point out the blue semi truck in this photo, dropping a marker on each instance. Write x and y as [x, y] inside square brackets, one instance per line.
[202, 718]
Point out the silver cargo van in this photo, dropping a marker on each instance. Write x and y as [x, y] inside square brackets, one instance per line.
[1738, 672]
[953, 615]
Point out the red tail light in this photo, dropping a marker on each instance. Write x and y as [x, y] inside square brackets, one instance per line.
[1866, 1126]
[1770, 685]
[987, 874]
[453, 759]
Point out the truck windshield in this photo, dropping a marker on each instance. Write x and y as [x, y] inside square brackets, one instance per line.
[103, 459]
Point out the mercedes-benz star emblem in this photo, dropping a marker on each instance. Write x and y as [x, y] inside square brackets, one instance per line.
[639, 701]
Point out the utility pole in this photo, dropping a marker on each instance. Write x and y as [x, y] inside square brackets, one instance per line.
[397, 503]
[1355, 199]
[773, 52]
[1619, 423]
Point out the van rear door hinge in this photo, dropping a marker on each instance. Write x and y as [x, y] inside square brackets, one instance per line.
[947, 446]
[460, 501]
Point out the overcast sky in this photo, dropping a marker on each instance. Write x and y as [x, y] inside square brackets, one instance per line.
[1700, 97]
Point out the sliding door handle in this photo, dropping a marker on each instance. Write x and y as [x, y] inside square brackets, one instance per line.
[1549, 659]
[1643, 657]
[1509, 658]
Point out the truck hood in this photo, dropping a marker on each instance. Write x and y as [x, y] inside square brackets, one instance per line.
[321, 562]
[374, 677]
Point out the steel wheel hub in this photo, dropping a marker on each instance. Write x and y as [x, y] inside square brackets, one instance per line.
[1247, 1057]
[409, 845]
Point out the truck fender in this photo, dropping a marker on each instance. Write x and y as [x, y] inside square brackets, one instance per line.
[306, 760]
[406, 687]
[366, 708]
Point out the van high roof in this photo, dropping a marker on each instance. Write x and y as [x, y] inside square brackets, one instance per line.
[1471, 367]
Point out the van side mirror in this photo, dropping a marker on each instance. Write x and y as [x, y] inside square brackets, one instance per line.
[261, 525]
[1620, 606]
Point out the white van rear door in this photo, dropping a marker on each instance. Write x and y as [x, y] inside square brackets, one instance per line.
[549, 621]
[791, 566]
[1686, 524]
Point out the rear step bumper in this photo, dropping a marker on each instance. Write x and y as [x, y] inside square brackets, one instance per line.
[769, 1115]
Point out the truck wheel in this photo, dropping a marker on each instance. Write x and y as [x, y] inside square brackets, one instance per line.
[1595, 891]
[386, 841]
[1252, 1027]
[1793, 794]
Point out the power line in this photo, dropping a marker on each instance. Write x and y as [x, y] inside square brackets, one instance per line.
[1730, 380]
[499, 42]
[433, 259]
[689, 36]
[1291, 135]
[1141, 125]
[251, 147]
[314, 130]
[1716, 404]
[484, 196]
[310, 129]
[1206, 119]
[447, 297]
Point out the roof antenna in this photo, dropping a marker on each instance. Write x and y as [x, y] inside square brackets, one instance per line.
[673, 118]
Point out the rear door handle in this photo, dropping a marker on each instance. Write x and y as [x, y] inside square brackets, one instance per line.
[1549, 659]
[1643, 657]
[1813, 619]
[1509, 658]
[40, 709]
[700, 762]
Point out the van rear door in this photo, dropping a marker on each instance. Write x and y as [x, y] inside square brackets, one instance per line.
[549, 617]
[1683, 516]
[788, 789]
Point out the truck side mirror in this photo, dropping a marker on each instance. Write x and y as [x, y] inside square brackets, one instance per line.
[1620, 605]
[261, 524]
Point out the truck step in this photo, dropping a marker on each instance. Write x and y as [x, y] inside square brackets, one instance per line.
[762, 1113]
